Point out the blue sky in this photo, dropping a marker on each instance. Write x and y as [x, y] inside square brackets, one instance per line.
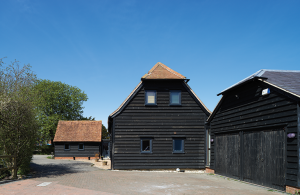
[105, 47]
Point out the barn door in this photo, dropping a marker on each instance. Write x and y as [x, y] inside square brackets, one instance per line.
[263, 158]
[228, 155]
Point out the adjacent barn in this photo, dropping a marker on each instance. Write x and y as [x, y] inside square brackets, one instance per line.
[160, 125]
[77, 139]
[254, 130]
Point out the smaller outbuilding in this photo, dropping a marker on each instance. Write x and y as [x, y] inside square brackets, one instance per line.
[77, 139]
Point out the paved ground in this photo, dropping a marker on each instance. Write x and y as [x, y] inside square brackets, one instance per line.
[74, 177]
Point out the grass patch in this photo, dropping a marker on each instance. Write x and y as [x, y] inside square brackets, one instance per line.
[49, 157]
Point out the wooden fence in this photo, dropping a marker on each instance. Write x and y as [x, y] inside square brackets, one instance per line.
[14, 167]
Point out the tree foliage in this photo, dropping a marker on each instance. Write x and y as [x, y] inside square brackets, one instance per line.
[18, 123]
[105, 134]
[58, 101]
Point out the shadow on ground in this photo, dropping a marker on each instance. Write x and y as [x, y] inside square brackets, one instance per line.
[54, 168]
[2, 182]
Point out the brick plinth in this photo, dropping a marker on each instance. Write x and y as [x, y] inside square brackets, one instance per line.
[81, 158]
[291, 189]
[63, 158]
[76, 158]
[208, 170]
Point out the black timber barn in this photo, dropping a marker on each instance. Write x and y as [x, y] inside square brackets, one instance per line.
[79, 139]
[160, 125]
[255, 130]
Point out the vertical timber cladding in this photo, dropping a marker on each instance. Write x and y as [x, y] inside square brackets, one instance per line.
[263, 157]
[243, 109]
[161, 123]
[228, 155]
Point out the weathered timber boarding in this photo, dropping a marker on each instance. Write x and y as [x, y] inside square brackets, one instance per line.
[151, 132]
[77, 139]
[255, 130]
[90, 149]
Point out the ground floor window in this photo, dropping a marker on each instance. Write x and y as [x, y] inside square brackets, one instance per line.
[81, 147]
[67, 146]
[146, 145]
[178, 145]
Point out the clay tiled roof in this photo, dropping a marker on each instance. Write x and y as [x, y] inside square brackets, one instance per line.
[78, 131]
[161, 71]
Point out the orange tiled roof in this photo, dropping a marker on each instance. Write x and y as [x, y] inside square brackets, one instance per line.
[161, 71]
[78, 131]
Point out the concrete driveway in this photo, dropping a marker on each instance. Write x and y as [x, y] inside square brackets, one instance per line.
[75, 177]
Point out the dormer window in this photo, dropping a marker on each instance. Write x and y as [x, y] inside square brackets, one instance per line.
[175, 97]
[150, 98]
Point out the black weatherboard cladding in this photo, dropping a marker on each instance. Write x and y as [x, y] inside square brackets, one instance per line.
[161, 123]
[244, 109]
[90, 149]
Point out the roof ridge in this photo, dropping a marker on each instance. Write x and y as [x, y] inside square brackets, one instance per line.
[152, 69]
[165, 67]
[256, 74]
[273, 70]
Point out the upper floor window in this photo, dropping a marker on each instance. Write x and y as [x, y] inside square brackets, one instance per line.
[175, 97]
[150, 97]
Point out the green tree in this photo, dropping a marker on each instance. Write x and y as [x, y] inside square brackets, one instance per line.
[58, 101]
[87, 118]
[105, 134]
[18, 123]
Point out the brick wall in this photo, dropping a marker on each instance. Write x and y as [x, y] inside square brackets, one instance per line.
[291, 189]
[63, 158]
[208, 170]
[76, 158]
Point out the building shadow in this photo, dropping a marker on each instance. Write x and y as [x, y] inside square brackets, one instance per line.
[56, 170]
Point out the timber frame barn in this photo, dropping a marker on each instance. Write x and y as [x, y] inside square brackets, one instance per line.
[160, 125]
[77, 139]
[254, 131]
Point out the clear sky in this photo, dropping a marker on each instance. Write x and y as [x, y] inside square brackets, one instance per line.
[104, 47]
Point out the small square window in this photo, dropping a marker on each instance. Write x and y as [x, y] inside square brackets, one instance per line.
[175, 97]
[150, 97]
[67, 146]
[80, 146]
[178, 145]
[146, 145]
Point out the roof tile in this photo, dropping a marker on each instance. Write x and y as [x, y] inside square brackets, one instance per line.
[78, 131]
[161, 71]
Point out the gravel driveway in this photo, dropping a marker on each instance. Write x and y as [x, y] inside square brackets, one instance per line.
[75, 177]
